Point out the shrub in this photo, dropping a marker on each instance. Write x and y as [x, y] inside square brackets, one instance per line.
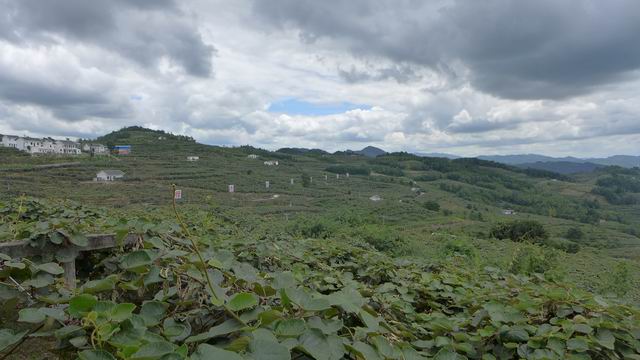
[618, 281]
[574, 233]
[532, 259]
[431, 205]
[520, 230]
[382, 238]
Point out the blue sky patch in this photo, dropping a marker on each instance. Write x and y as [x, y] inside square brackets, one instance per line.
[300, 107]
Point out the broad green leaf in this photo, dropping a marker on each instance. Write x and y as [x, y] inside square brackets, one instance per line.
[152, 312]
[290, 327]
[51, 268]
[605, 338]
[176, 331]
[242, 301]
[100, 285]
[153, 350]
[322, 347]
[81, 304]
[577, 344]
[79, 239]
[209, 352]
[136, 261]
[31, 315]
[227, 327]
[122, 311]
[366, 351]
[262, 349]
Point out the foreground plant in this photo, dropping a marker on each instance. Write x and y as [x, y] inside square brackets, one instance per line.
[180, 293]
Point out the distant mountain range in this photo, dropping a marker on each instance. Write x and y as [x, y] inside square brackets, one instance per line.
[627, 161]
[562, 167]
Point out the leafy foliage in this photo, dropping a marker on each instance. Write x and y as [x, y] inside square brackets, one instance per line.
[308, 298]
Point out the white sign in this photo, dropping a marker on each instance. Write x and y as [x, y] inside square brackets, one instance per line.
[266, 184]
[177, 194]
[232, 188]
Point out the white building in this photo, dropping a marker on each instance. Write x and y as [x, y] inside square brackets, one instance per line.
[109, 175]
[193, 158]
[375, 198]
[96, 149]
[41, 146]
[271, 163]
[508, 212]
[252, 156]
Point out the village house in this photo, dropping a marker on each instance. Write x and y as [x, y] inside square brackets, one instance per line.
[508, 212]
[271, 163]
[252, 156]
[375, 198]
[40, 146]
[109, 175]
[96, 149]
[193, 158]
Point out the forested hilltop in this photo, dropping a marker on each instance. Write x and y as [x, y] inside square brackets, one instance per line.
[339, 256]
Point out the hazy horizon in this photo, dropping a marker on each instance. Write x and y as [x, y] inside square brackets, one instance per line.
[452, 76]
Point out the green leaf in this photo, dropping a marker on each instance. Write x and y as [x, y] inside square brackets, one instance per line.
[229, 326]
[322, 347]
[95, 355]
[122, 312]
[209, 352]
[51, 268]
[79, 239]
[31, 315]
[100, 285]
[81, 304]
[605, 338]
[153, 350]
[136, 261]
[263, 349]
[366, 351]
[242, 301]
[577, 344]
[152, 312]
[8, 337]
[290, 327]
[447, 354]
[175, 331]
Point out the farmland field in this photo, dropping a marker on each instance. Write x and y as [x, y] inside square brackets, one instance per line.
[311, 267]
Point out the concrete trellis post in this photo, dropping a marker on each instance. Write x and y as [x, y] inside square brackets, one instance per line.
[23, 248]
[347, 174]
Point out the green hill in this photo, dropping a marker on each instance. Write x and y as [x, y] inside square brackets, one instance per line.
[436, 265]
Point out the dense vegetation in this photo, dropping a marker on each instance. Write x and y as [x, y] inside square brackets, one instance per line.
[315, 269]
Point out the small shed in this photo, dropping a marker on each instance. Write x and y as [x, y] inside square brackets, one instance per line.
[109, 175]
[375, 198]
[508, 212]
[193, 158]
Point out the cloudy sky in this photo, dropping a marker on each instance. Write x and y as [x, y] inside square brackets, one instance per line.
[464, 77]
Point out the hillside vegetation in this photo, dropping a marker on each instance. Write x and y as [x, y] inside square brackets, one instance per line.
[315, 269]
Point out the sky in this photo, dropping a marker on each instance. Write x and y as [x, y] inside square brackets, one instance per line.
[465, 77]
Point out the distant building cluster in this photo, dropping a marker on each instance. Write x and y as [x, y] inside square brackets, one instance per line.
[50, 146]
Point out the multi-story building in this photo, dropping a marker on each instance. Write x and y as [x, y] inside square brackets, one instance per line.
[40, 146]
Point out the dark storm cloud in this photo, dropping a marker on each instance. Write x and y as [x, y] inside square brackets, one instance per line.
[143, 31]
[543, 49]
[65, 102]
